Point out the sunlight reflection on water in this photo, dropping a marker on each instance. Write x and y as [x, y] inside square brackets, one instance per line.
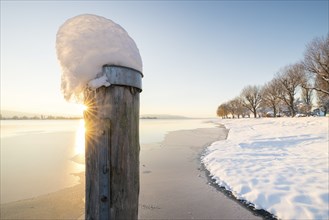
[39, 157]
[80, 138]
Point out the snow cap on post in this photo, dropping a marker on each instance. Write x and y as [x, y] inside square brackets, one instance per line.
[85, 44]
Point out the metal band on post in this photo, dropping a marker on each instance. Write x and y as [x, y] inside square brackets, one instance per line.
[124, 76]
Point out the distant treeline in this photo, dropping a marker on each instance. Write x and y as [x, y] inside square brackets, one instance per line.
[42, 117]
[148, 117]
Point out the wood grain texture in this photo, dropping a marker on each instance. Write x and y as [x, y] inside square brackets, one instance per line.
[112, 152]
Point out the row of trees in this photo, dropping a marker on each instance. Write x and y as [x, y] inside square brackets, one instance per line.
[42, 117]
[306, 78]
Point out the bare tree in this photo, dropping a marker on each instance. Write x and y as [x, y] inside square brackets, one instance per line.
[222, 110]
[251, 98]
[231, 108]
[237, 105]
[316, 62]
[322, 97]
[307, 96]
[289, 78]
[323, 102]
[270, 95]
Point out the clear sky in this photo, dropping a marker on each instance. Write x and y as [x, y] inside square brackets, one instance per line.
[196, 54]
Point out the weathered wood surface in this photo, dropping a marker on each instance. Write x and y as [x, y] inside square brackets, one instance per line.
[112, 153]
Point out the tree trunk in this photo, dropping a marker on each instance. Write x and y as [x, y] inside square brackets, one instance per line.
[274, 111]
[255, 112]
[291, 105]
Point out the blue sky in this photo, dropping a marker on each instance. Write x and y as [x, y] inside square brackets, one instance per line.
[196, 54]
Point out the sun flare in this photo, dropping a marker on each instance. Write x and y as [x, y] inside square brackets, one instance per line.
[83, 107]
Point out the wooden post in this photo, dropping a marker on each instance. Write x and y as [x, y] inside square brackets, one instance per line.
[112, 146]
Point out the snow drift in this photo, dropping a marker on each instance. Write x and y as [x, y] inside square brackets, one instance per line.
[87, 42]
[278, 164]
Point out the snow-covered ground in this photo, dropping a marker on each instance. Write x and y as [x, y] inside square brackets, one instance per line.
[277, 164]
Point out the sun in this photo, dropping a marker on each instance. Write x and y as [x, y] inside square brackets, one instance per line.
[83, 107]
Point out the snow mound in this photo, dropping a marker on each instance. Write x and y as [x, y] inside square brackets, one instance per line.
[87, 42]
[280, 165]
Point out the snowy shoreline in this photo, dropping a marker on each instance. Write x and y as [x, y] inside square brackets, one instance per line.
[249, 206]
[279, 165]
[212, 181]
